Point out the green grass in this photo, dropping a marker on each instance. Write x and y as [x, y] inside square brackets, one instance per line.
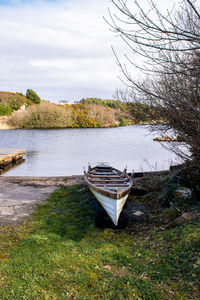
[60, 254]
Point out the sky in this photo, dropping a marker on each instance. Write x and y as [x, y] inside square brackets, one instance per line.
[59, 48]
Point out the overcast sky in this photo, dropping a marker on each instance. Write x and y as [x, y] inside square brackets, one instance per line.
[59, 48]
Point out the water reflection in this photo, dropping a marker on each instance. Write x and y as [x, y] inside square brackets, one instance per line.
[30, 154]
[11, 166]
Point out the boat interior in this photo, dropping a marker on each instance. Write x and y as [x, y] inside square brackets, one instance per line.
[105, 176]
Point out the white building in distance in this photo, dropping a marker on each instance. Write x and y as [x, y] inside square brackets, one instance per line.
[63, 102]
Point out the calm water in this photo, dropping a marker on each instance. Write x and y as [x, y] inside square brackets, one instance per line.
[65, 151]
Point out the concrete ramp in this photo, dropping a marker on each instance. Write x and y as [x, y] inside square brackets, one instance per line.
[17, 202]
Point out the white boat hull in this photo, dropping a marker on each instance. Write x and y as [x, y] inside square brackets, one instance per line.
[113, 207]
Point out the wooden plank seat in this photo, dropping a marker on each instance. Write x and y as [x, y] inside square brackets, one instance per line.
[109, 180]
[106, 176]
[105, 173]
[104, 170]
[112, 185]
[101, 169]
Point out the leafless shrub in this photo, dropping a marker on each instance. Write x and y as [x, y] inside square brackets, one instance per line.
[170, 47]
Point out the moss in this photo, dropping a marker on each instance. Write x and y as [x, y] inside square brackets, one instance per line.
[60, 254]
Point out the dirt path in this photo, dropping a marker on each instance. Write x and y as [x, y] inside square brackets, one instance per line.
[20, 195]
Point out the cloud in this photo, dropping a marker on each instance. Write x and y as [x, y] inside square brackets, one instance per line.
[61, 49]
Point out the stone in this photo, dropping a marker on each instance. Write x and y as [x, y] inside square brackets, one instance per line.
[136, 212]
[186, 217]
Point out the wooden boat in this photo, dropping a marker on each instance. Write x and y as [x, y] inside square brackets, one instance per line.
[166, 139]
[111, 188]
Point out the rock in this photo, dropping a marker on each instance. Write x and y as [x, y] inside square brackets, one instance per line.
[136, 212]
[183, 219]
[183, 193]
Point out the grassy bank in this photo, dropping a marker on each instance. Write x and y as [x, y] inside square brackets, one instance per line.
[60, 254]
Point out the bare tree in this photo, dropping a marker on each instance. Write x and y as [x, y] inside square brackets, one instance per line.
[170, 47]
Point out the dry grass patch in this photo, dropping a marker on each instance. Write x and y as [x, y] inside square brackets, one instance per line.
[44, 115]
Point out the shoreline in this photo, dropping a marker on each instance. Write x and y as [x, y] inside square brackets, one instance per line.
[79, 178]
[20, 195]
[6, 127]
[44, 180]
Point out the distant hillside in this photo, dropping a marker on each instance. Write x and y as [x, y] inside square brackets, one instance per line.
[10, 102]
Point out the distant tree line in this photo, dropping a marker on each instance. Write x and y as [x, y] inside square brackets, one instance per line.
[88, 113]
[131, 112]
[107, 102]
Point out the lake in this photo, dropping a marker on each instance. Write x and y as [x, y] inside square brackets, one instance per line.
[60, 152]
